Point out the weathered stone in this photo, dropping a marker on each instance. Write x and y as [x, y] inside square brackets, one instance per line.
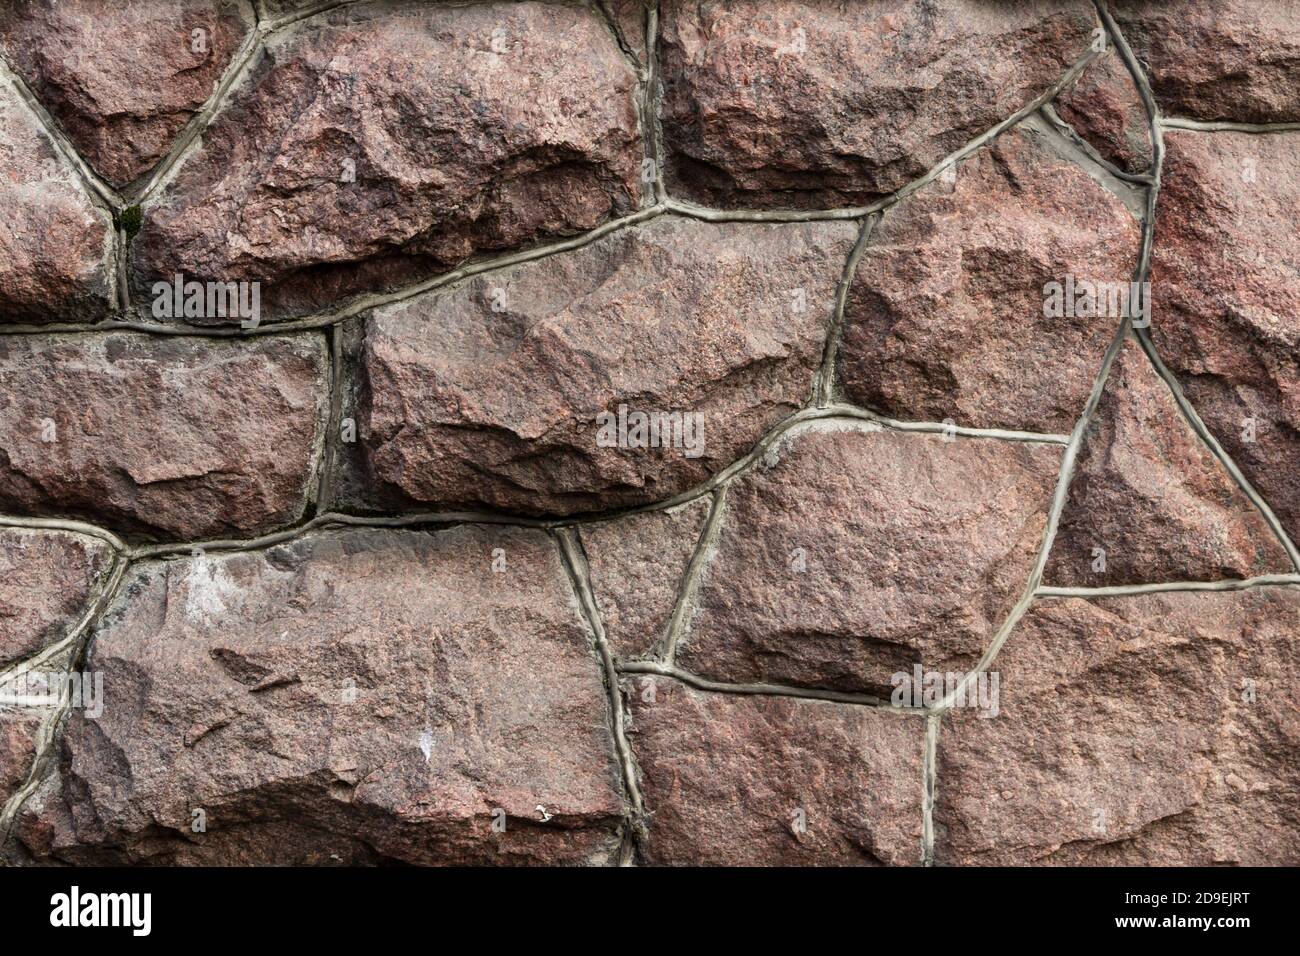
[946, 317]
[122, 79]
[19, 731]
[170, 436]
[812, 103]
[732, 780]
[1218, 59]
[1224, 287]
[374, 144]
[1152, 730]
[54, 243]
[850, 555]
[47, 579]
[1153, 498]
[489, 393]
[1104, 107]
[360, 690]
[637, 564]
[628, 18]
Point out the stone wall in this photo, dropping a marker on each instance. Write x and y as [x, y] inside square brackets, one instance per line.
[665, 433]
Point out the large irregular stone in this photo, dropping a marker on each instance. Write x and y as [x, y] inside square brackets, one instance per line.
[850, 555]
[122, 79]
[488, 393]
[368, 694]
[1152, 730]
[374, 144]
[164, 436]
[1153, 498]
[47, 579]
[733, 780]
[946, 317]
[1224, 284]
[54, 243]
[637, 565]
[1218, 59]
[814, 103]
[1104, 107]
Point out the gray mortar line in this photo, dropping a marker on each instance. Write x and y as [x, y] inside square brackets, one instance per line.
[1050, 114]
[230, 77]
[691, 580]
[845, 410]
[1059, 498]
[1141, 273]
[65, 524]
[1225, 126]
[653, 103]
[45, 744]
[97, 190]
[574, 558]
[333, 419]
[842, 413]
[198, 123]
[709, 214]
[929, 785]
[1132, 192]
[1128, 590]
[824, 382]
[824, 695]
[370, 301]
[1193, 419]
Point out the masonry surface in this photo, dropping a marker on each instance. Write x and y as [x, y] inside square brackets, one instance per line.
[313, 549]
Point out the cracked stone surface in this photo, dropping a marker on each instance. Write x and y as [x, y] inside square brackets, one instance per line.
[54, 242]
[852, 555]
[771, 781]
[1218, 59]
[371, 146]
[1150, 495]
[122, 79]
[945, 319]
[1105, 108]
[47, 579]
[161, 436]
[369, 694]
[19, 730]
[764, 102]
[1174, 737]
[1223, 282]
[487, 394]
[637, 564]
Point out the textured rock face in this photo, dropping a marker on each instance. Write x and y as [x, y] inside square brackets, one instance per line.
[768, 781]
[19, 727]
[54, 243]
[859, 554]
[1104, 107]
[1151, 496]
[377, 689]
[1159, 729]
[372, 145]
[163, 436]
[488, 393]
[819, 104]
[122, 79]
[946, 317]
[1218, 59]
[637, 564]
[1224, 286]
[46, 582]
